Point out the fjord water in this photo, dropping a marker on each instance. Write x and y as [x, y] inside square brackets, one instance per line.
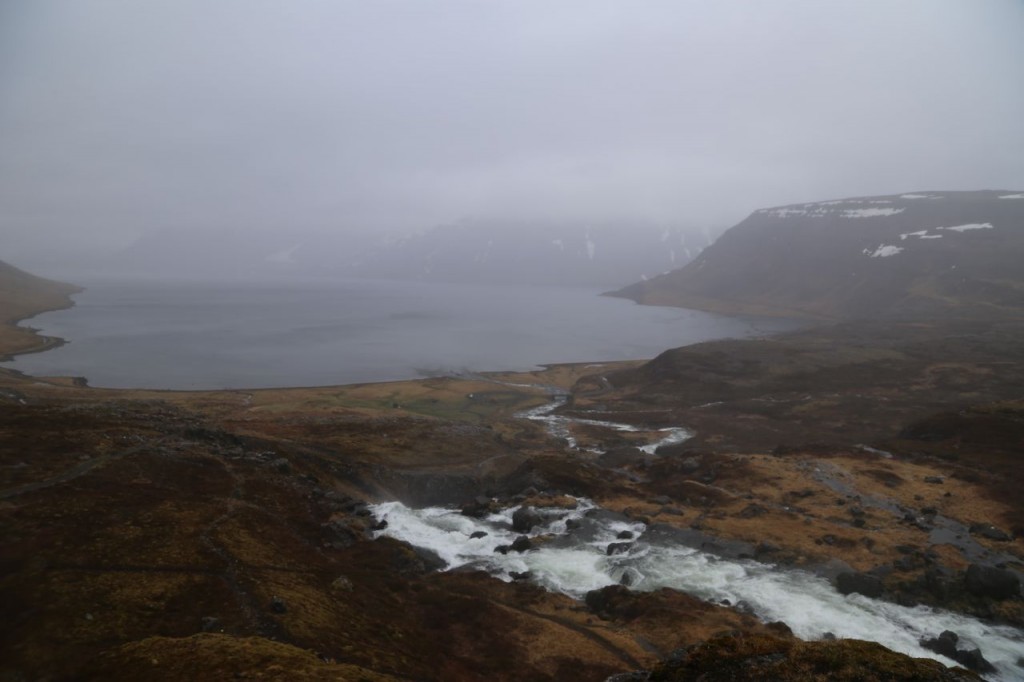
[209, 335]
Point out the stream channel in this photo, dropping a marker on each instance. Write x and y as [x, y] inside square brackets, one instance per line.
[576, 560]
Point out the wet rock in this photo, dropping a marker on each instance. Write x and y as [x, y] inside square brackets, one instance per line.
[281, 465]
[278, 605]
[380, 525]
[521, 544]
[526, 518]
[502, 549]
[618, 548]
[572, 524]
[861, 583]
[520, 575]
[477, 534]
[987, 530]
[946, 645]
[780, 628]
[828, 637]
[935, 582]
[991, 582]
[608, 601]
[625, 535]
[478, 508]
[211, 624]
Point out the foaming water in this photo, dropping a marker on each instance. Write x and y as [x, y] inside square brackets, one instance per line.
[559, 427]
[571, 556]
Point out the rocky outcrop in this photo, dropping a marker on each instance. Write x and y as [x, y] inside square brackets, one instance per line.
[991, 582]
[860, 583]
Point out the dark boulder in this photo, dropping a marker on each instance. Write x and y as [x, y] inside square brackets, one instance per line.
[480, 506]
[991, 582]
[477, 534]
[861, 583]
[525, 518]
[521, 544]
[610, 602]
[987, 530]
[618, 548]
[946, 645]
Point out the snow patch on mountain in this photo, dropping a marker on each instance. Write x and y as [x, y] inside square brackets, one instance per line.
[969, 226]
[884, 251]
[871, 212]
[834, 209]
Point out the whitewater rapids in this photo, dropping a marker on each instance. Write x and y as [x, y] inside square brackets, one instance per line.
[576, 561]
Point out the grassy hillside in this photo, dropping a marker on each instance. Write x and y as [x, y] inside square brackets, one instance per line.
[23, 295]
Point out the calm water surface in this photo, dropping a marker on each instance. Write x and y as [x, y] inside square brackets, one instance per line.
[192, 335]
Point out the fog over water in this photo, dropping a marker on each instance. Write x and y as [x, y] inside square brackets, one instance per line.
[192, 335]
[370, 118]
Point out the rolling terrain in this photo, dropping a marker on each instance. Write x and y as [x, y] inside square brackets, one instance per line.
[180, 535]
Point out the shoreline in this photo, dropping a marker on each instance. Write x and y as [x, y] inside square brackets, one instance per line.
[43, 342]
[35, 342]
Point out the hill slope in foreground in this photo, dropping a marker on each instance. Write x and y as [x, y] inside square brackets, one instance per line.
[157, 535]
[919, 254]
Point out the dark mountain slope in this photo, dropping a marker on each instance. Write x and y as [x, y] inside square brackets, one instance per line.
[914, 254]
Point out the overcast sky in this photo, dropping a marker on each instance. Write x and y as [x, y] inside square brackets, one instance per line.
[118, 116]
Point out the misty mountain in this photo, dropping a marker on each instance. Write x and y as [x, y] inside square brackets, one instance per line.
[536, 254]
[485, 252]
[920, 253]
